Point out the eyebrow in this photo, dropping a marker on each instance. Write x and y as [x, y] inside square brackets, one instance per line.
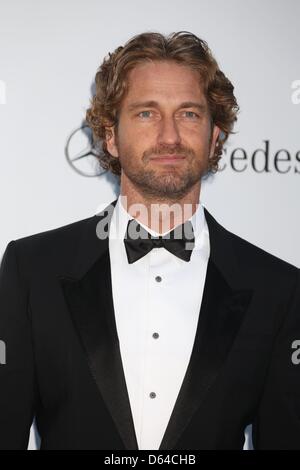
[154, 104]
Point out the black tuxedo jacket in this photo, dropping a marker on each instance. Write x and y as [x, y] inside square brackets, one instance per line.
[63, 362]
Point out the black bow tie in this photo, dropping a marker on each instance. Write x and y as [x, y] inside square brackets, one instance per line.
[138, 242]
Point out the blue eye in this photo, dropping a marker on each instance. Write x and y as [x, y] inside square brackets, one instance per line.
[142, 113]
[191, 114]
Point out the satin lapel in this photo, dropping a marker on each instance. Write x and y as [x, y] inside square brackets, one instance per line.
[90, 302]
[221, 314]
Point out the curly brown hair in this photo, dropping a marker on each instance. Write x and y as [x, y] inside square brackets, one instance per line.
[182, 47]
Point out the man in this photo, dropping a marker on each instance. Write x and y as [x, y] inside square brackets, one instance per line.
[149, 325]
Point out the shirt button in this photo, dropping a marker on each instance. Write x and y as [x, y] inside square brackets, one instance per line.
[152, 395]
[158, 279]
[155, 335]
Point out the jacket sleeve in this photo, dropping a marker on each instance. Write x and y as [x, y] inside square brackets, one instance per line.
[277, 424]
[17, 382]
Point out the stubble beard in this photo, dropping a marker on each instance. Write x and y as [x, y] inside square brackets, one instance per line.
[168, 184]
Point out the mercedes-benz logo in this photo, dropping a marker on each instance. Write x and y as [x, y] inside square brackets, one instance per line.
[81, 152]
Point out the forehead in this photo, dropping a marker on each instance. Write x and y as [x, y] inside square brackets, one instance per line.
[163, 79]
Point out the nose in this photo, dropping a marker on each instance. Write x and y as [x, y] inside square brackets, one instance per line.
[168, 131]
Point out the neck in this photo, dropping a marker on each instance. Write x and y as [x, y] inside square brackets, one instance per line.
[160, 214]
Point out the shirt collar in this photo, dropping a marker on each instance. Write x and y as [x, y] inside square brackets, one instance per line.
[121, 217]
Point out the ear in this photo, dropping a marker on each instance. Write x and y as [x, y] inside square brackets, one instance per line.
[214, 137]
[111, 141]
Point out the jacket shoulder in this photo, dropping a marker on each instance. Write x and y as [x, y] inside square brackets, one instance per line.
[69, 231]
[51, 250]
[259, 256]
[251, 258]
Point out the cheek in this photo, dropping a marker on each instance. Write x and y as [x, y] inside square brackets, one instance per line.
[130, 135]
[138, 141]
[198, 142]
[198, 134]
[129, 150]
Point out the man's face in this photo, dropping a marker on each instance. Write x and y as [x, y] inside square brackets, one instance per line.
[164, 135]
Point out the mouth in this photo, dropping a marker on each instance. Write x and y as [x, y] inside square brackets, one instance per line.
[168, 159]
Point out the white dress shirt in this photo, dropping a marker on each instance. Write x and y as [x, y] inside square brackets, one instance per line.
[157, 302]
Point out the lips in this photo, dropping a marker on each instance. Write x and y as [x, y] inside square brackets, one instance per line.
[168, 158]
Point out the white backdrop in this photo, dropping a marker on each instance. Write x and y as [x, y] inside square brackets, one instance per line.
[49, 53]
